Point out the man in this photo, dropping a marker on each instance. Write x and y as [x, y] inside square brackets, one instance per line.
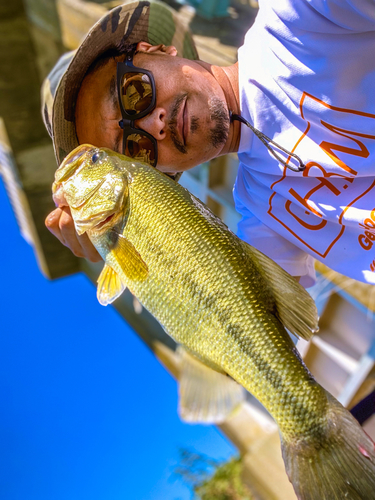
[298, 107]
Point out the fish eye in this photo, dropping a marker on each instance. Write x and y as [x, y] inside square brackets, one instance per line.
[97, 156]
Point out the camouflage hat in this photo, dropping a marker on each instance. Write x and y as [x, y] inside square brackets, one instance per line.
[152, 22]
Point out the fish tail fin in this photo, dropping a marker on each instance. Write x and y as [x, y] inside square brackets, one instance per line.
[339, 465]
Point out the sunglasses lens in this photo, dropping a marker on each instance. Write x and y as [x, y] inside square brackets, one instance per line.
[140, 147]
[136, 92]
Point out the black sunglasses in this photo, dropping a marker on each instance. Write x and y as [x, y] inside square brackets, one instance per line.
[137, 98]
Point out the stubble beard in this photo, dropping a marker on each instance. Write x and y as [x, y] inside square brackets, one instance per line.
[218, 134]
[219, 114]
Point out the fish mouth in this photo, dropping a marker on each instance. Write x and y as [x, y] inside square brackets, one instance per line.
[58, 196]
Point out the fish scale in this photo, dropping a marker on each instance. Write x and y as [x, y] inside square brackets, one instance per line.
[226, 303]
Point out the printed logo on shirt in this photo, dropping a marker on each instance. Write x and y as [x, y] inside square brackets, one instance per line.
[367, 237]
[316, 211]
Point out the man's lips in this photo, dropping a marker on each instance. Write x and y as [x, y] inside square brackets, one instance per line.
[182, 122]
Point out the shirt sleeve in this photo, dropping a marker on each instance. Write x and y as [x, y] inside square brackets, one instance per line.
[291, 258]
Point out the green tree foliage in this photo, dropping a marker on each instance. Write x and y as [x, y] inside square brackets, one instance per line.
[211, 479]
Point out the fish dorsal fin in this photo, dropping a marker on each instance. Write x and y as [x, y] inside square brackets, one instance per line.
[110, 286]
[295, 307]
[129, 259]
[205, 395]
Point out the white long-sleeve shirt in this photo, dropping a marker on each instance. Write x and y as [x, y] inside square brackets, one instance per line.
[307, 80]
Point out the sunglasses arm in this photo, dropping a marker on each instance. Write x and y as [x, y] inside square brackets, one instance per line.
[124, 123]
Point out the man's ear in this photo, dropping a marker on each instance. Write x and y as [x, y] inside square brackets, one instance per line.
[147, 47]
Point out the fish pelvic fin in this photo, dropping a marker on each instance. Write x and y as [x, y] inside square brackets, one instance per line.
[110, 286]
[341, 465]
[295, 307]
[128, 258]
[205, 395]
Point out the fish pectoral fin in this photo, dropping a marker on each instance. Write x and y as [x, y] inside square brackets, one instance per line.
[295, 307]
[110, 286]
[205, 395]
[131, 262]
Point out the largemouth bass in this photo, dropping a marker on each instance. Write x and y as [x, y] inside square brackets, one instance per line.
[226, 303]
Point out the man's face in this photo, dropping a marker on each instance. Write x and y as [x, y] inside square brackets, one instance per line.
[190, 121]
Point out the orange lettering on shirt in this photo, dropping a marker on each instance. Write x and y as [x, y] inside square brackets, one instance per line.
[322, 182]
[313, 227]
[329, 147]
[334, 188]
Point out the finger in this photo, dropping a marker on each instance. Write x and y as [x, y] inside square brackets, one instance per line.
[69, 236]
[60, 223]
[80, 245]
[52, 223]
[88, 248]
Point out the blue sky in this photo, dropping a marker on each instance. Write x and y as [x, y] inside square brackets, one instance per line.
[87, 412]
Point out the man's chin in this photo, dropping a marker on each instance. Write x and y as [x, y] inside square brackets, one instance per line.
[172, 170]
[168, 171]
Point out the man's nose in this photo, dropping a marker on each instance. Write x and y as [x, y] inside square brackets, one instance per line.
[154, 123]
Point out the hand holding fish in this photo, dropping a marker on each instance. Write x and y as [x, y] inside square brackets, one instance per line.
[227, 304]
[61, 224]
